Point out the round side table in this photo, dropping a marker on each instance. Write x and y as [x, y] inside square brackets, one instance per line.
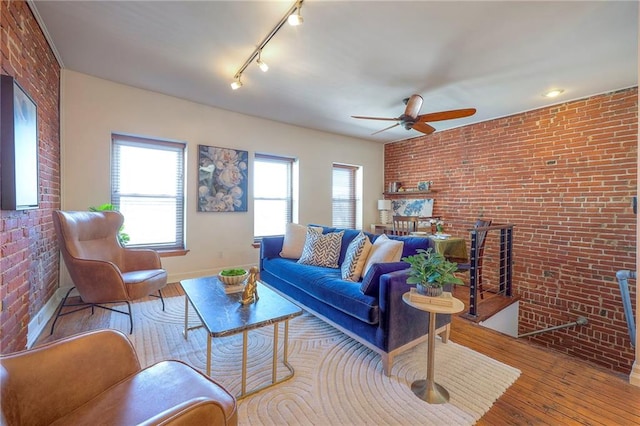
[428, 390]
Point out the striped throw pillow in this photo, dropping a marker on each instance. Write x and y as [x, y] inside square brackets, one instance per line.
[322, 249]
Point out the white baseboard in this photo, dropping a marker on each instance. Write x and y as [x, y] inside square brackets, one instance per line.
[38, 322]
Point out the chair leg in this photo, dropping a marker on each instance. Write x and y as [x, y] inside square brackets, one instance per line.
[160, 296]
[161, 299]
[63, 304]
[64, 299]
[130, 318]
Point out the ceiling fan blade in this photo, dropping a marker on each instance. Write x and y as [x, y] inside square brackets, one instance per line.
[414, 103]
[386, 128]
[375, 118]
[447, 115]
[423, 127]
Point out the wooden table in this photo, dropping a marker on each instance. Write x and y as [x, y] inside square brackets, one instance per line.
[223, 315]
[427, 389]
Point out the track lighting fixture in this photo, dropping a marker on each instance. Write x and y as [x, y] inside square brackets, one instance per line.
[293, 17]
[296, 19]
[264, 67]
[236, 83]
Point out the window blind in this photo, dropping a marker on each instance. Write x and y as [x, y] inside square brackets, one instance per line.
[147, 187]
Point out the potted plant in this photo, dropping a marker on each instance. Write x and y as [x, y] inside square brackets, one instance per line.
[430, 271]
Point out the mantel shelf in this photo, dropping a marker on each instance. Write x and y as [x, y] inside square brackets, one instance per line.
[409, 193]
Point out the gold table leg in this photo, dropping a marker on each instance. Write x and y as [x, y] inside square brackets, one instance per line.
[208, 354]
[428, 390]
[274, 373]
[186, 317]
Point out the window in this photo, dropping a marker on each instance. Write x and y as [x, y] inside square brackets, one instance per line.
[147, 187]
[345, 199]
[272, 194]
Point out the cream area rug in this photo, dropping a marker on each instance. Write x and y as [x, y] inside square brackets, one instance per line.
[337, 381]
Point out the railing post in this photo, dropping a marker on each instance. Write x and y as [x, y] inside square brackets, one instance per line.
[473, 275]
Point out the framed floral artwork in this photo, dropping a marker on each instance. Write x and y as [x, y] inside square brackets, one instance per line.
[222, 179]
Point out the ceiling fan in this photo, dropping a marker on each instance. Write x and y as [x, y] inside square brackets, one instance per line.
[411, 120]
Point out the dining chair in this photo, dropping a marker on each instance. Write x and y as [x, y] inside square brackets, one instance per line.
[102, 271]
[404, 225]
[480, 240]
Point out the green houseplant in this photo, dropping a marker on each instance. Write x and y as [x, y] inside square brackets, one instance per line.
[430, 270]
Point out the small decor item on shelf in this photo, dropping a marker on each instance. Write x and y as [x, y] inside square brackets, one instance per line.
[250, 293]
[440, 226]
[424, 185]
[430, 271]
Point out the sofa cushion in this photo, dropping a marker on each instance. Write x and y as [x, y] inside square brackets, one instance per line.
[383, 250]
[411, 244]
[294, 239]
[371, 281]
[324, 284]
[355, 258]
[321, 249]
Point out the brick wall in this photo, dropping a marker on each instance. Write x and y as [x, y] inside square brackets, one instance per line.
[565, 176]
[28, 249]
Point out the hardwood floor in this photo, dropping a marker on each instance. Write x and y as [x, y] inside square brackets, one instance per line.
[553, 388]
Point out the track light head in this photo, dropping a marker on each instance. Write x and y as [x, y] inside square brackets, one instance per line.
[264, 67]
[295, 19]
[236, 83]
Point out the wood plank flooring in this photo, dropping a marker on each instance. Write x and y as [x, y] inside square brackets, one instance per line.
[553, 389]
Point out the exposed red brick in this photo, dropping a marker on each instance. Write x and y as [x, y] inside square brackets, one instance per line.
[28, 248]
[564, 176]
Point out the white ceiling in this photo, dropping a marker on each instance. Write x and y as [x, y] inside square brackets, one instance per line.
[354, 57]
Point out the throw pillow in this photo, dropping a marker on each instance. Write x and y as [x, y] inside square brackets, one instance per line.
[384, 250]
[294, 238]
[355, 258]
[321, 249]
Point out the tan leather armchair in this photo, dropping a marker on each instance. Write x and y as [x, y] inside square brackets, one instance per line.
[95, 378]
[101, 269]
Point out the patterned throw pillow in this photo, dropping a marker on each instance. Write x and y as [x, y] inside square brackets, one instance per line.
[321, 249]
[355, 258]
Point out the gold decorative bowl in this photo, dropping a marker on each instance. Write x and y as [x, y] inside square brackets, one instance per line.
[233, 279]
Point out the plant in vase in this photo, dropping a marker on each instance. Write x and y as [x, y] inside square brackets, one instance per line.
[430, 271]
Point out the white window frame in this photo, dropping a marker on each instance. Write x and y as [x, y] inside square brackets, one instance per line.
[289, 198]
[177, 198]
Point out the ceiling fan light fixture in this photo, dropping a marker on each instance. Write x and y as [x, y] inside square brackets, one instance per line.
[553, 93]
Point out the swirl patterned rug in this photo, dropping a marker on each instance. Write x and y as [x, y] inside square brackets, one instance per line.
[337, 380]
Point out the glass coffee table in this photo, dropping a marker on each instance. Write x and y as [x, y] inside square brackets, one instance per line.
[223, 315]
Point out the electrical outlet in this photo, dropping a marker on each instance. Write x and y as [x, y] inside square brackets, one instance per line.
[219, 255]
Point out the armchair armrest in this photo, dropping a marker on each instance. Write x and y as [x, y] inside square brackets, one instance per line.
[140, 259]
[270, 247]
[41, 385]
[399, 322]
[85, 273]
[194, 412]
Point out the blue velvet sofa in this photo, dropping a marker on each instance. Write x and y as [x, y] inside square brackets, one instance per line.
[370, 311]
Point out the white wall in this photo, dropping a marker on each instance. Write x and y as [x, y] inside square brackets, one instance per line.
[92, 109]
